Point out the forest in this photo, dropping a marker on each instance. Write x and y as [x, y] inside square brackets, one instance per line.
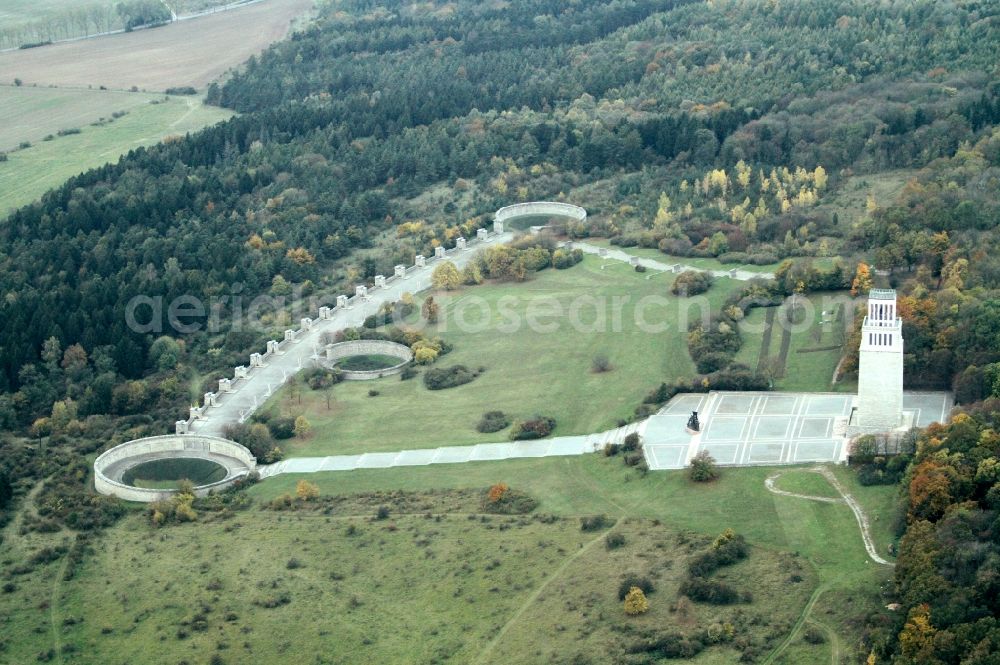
[722, 129]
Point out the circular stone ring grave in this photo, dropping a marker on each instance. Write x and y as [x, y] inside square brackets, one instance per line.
[368, 347]
[540, 209]
[112, 466]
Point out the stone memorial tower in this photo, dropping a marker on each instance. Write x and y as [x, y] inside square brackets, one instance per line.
[880, 371]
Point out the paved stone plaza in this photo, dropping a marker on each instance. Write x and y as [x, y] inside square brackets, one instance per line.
[748, 428]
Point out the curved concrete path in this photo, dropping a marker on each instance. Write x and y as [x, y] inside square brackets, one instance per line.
[852, 503]
[619, 255]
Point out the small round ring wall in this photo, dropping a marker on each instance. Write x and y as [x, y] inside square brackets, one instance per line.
[540, 209]
[111, 466]
[368, 347]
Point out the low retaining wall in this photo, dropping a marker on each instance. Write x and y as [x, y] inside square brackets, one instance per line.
[369, 347]
[222, 451]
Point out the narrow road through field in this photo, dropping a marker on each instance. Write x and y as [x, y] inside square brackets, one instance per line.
[55, 616]
[538, 592]
[866, 536]
[820, 590]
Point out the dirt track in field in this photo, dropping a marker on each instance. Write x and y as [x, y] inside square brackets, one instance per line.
[193, 52]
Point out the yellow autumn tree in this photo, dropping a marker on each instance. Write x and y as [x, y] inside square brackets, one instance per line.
[255, 242]
[743, 173]
[871, 205]
[306, 491]
[302, 427]
[425, 355]
[635, 602]
[862, 280]
[300, 256]
[446, 276]
[819, 177]
[916, 640]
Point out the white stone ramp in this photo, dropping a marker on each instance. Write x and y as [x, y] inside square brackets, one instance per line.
[483, 452]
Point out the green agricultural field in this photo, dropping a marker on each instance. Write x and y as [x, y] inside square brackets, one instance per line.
[14, 12]
[478, 588]
[30, 172]
[526, 372]
[802, 356]
[32, 113]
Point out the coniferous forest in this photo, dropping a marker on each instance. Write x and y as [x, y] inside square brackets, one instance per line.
[719, 129]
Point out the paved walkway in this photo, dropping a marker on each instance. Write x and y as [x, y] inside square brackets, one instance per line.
[619, 255]
[483, 452]
[262, 382]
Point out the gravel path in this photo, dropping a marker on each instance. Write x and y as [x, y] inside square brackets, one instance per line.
[852, 503]
[618, 255]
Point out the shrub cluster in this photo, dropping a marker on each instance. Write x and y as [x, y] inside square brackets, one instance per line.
[635, 580]
[562, 259]
[691, 283]
[600, 364]
[500, 499]
[709, 591]
[613, 541]
[538, 427]
[703, 469]
[440, 378]
[318, 378]
[673, 645]
[178, 508]
[734, 377]
[881, 460]
[594, 522]
[257, 437]
[631, 449]
[493, 421]
[389, 312]
[726, 550]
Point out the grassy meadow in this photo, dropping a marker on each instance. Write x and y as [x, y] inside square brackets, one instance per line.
[548, 372]
[802, 481]
[437, 582]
